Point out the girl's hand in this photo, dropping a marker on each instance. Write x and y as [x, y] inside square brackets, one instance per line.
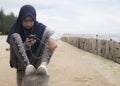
[52, 43]
[29, 42]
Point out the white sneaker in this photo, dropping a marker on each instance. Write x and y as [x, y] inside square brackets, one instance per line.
[30, 69]
[42, 69]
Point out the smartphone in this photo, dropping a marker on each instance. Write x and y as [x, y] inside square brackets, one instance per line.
[31, 36]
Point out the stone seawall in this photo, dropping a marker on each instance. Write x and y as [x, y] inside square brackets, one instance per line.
[105, 48]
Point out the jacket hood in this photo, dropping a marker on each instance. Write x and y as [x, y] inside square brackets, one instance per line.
[26, 10]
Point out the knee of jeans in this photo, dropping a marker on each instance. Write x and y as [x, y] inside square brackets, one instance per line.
[15, 38]
[14, 35]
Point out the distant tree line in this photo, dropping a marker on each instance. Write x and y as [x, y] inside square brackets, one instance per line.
[6, 21]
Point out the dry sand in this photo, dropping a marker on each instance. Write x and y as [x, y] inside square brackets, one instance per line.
[69, 66]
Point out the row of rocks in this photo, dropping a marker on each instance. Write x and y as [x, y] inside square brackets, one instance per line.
[105, 48]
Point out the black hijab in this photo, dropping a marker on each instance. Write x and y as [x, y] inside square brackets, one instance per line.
[37, 29]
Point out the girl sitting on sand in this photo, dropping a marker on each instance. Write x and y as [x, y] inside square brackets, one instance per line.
[30, 42]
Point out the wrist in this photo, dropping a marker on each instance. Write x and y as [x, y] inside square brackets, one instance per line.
[26, 47]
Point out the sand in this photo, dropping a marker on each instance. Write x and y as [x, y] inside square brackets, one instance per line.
[69, 66]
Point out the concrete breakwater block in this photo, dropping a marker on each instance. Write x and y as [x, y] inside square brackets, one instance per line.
[105, 48]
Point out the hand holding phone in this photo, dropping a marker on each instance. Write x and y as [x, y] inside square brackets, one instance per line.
[29, 42]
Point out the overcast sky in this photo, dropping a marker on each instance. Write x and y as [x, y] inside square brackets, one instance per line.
[73, 16]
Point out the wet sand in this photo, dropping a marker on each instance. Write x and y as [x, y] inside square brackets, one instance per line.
[69, 66]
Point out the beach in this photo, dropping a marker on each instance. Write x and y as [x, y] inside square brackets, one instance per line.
[69, 66]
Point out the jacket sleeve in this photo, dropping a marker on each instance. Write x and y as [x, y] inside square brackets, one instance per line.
[56, 36]
[47, 33]
[47, 52]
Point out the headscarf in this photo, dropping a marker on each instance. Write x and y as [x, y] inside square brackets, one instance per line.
[38, 28]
